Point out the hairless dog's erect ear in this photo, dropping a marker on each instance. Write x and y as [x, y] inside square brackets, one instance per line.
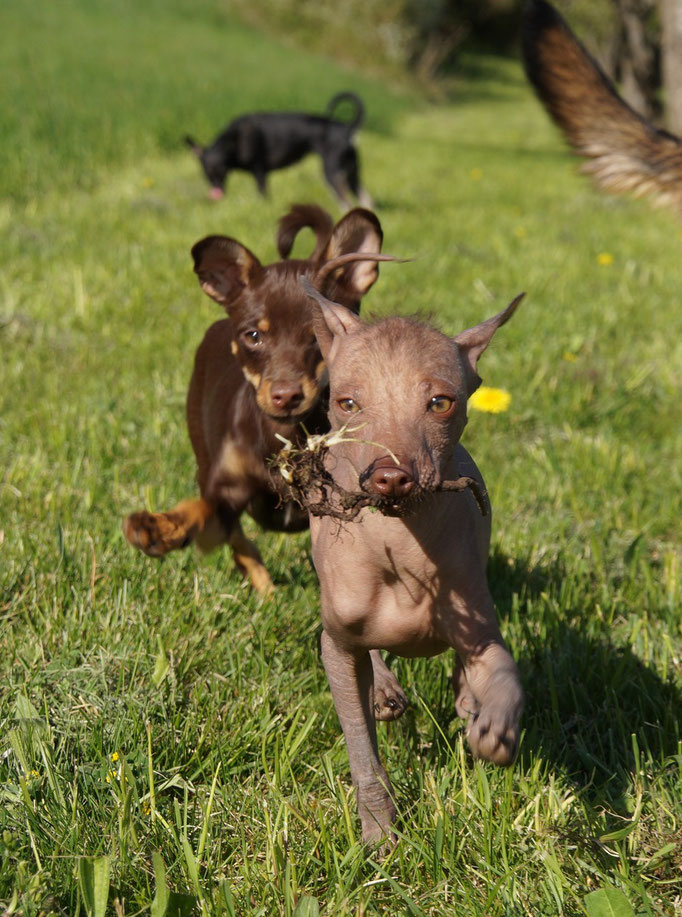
[225, 268]
[474, 341]
[330, 319]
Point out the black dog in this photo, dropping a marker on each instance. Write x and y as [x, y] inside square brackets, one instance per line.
[261, 142]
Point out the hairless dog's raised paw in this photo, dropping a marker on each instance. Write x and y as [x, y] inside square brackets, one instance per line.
[492, 722]
[493, 734]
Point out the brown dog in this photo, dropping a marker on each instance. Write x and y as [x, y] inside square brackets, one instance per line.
[624, 151]
[411, 578]
[258, 373]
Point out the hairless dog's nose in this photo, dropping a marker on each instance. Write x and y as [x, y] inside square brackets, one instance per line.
[286, 396]
[391, 481]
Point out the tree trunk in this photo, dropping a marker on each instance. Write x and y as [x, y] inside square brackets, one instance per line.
[671, 17]
[636, 65]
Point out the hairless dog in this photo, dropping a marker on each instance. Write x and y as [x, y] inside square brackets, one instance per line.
[409, 578]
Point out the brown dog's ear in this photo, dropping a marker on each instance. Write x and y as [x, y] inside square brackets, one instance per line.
[225, 268]
[358, 231]
[330, 319]
[474, 341]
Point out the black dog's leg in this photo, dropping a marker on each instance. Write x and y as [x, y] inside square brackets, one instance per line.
[342, 173]
[261, 177]
[336, 179]
[351, 166]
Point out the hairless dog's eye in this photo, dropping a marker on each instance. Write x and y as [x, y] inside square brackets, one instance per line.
[440, 404]
[348, 405]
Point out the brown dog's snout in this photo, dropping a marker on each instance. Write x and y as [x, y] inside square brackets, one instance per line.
[286, 396]
[390, 480]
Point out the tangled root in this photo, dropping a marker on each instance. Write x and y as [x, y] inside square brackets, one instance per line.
[300, 475]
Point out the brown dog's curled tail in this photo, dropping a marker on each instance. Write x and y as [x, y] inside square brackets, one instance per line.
[300, 216]
[625, 152]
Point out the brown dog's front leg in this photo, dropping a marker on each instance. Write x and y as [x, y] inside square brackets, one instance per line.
[352, 685]
[248, 559]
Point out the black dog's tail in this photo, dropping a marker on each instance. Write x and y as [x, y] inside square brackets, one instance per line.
[625, 152]
[355, 100]
[300, 216]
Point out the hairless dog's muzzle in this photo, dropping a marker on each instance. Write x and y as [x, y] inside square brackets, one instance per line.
[388, 479]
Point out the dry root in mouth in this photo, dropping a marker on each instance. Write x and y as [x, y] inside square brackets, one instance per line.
[300, 475]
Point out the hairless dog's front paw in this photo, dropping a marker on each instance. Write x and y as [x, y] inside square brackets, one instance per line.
[493, 734]
[377, 813]
[389, 701]
[492, 714]
[389, 698]
[466, 705]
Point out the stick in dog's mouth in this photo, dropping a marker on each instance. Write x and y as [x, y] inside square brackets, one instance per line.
[300, 475]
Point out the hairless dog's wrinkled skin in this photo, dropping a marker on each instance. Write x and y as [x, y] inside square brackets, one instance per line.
[409, 579]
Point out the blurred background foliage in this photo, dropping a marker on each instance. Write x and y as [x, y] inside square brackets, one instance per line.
[424, 39]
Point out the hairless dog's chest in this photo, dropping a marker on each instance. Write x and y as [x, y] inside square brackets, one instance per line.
[394, 583]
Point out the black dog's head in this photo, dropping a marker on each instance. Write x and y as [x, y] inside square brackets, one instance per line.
[272, 318]
[215, 163]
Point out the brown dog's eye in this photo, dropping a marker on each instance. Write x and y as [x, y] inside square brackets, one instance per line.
[252, 338]
[440, 404]
[348, 406]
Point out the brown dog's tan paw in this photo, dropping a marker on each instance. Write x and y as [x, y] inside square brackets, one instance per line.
[155, 534]
[259, 578]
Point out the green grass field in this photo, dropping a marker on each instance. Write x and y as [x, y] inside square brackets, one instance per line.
[164, 733]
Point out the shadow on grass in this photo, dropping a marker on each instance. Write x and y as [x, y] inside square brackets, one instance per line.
[594, 712]
[592, 706]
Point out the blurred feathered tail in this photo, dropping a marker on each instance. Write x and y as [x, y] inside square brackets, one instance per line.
[625, 151]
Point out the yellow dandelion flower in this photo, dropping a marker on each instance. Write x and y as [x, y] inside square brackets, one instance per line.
[491, 400]
[114, 757]
[146, 808]
[476, 174]
[569, 357]
[25, 779]
[604, 259]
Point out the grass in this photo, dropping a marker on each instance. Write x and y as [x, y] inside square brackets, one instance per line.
[162, 726]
